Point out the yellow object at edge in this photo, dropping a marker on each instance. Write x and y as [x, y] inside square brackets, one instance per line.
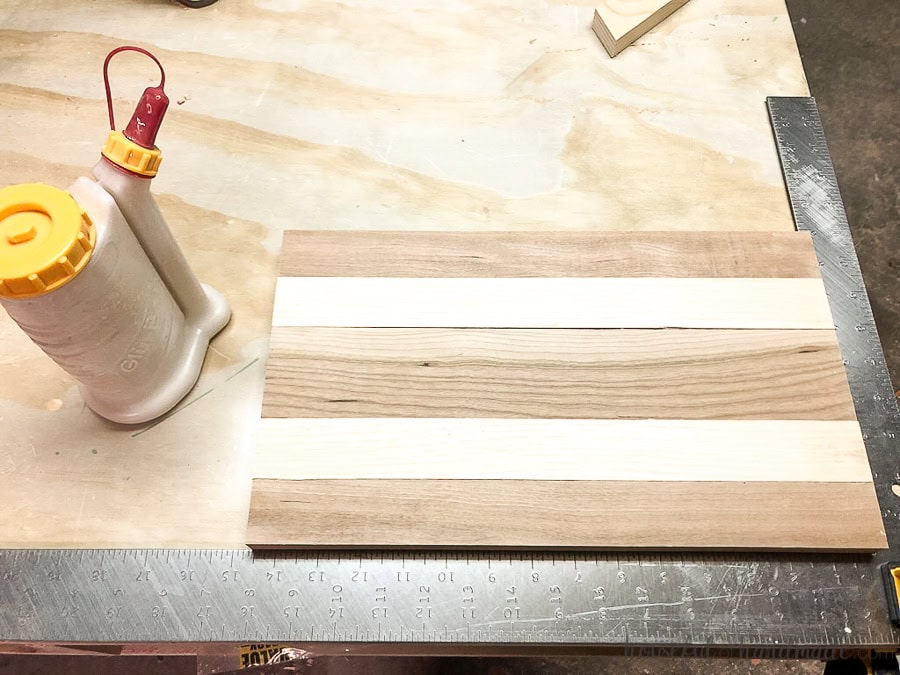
[895, 573]
[119, 150]
[45, 239]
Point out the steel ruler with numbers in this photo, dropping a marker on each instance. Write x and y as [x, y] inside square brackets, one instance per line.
[750, 604]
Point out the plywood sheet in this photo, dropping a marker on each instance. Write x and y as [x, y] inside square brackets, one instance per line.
[472, 116]
[406, 404]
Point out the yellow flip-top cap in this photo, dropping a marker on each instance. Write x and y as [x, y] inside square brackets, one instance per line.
[45, 239]
[119, 149]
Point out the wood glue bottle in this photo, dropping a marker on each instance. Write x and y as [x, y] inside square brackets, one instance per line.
[96, 279]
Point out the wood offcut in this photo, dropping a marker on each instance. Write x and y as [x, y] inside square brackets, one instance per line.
[618, 23]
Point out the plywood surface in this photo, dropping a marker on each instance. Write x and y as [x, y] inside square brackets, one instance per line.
[378, 116]
[473, 116]
[385, 425]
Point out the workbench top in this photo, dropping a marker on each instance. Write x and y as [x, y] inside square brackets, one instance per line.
[318, 115]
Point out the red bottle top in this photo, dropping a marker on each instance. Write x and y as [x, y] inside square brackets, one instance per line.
[150, 110]
[147, 117]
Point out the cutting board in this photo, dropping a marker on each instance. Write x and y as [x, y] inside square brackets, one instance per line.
[557, 389]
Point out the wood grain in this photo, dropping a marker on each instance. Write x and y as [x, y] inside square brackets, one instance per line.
[618, 23]
[555, 514]
[538, 449]
[687, 374]
[551, 303]
[310, 253]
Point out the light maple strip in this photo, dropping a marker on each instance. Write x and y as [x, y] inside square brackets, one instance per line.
[551, 303]
[538, 449]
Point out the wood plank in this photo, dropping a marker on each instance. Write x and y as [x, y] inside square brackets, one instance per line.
[429, 372]
[555, 514]
[551, 303]
[365, 253]
[618, 23]
[539, 449]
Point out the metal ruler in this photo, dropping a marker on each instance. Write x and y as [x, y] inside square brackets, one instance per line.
[764, 605]
[746, 604]
[817, 207]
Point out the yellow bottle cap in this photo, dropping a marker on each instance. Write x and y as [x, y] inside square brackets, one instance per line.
[45, 239]
[118, 149]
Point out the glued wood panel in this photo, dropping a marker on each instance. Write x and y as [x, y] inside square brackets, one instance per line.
[674, 374]
[551, 303]
[477, 390]
[555, 449]
[556, 514]
[618, 23]
[310, 253]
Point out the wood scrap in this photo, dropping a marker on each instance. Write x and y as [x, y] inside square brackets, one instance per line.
[618, 23]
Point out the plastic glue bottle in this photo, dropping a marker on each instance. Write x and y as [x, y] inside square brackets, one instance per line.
[95, 278]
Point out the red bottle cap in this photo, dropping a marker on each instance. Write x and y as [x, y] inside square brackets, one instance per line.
[147, 117]
[150, 110]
